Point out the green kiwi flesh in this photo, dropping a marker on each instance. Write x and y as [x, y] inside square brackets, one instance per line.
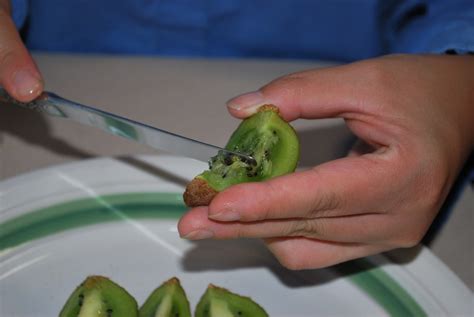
[219, 302]
[168, 300]
[98, 296]
[265, 136]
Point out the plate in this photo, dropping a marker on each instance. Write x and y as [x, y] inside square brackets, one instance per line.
[117, 217]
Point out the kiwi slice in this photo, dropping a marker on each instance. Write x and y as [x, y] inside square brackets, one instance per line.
[98, 296]
[265, 136]
[219, 302]
[168, 300]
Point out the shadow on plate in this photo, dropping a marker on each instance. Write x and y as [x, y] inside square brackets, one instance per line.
[32, 128]
[223, 255]
[153, 170]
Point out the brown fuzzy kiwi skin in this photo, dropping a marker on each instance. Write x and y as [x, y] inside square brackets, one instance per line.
[269, 107]
[198, 193]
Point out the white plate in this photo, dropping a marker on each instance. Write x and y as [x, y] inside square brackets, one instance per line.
[117, 218]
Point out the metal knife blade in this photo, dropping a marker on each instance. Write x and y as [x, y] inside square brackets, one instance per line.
[54, 105]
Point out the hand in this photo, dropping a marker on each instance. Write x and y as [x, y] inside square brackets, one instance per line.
[18, 72]
[414, 114]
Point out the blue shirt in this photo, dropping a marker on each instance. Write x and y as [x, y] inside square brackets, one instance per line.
[342, 30]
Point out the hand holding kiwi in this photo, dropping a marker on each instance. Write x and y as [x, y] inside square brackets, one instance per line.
[415, 131]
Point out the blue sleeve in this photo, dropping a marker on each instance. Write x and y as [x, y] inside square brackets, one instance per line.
[19, 12]
[433, 26]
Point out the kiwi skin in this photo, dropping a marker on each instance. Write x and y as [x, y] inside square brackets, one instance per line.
[171, 291]
[230, 304]
[199, 193]
[113, 300]
[263, 130]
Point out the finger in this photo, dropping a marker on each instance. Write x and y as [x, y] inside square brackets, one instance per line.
[347, 186]
[18, 73]
[310, 94]
[347, 91]
[195, 225]
[302, 253]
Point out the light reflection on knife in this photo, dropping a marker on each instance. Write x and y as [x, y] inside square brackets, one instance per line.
[54, 105]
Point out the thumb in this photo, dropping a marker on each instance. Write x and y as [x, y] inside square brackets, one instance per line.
[313, 94]
[18, 72]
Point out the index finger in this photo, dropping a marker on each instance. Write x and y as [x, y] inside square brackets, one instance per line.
[312, 94]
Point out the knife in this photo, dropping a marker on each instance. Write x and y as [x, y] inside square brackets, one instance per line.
[56, 106]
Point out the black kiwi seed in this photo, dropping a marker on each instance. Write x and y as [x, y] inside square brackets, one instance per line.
[109, 312]
[253, 162]
[252, 174]
[212, 161]
[248, 161]
[228, 160]
[266, 154]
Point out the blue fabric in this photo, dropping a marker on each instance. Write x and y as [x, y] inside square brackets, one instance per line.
[435, 26]
[314, 29]
[19, 12]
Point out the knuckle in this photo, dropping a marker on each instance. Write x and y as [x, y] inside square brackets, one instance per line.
[324, 203]
[290, 86]
[309, 228]
[6, 56]
[431, 181]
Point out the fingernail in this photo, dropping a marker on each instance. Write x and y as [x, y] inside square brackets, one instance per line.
[225, 216]
[199, 234]
[26, 84]
[248, 102]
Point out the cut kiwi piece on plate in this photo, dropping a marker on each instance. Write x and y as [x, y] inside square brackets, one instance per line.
[219, 302]
[265, 136]
[98, 296]
[168, 300]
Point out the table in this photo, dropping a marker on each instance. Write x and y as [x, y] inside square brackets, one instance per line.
[185, 96]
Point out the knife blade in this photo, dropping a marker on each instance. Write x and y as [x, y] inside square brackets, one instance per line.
[56, 106]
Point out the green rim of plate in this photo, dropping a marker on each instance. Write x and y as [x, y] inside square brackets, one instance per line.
[88, 211]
